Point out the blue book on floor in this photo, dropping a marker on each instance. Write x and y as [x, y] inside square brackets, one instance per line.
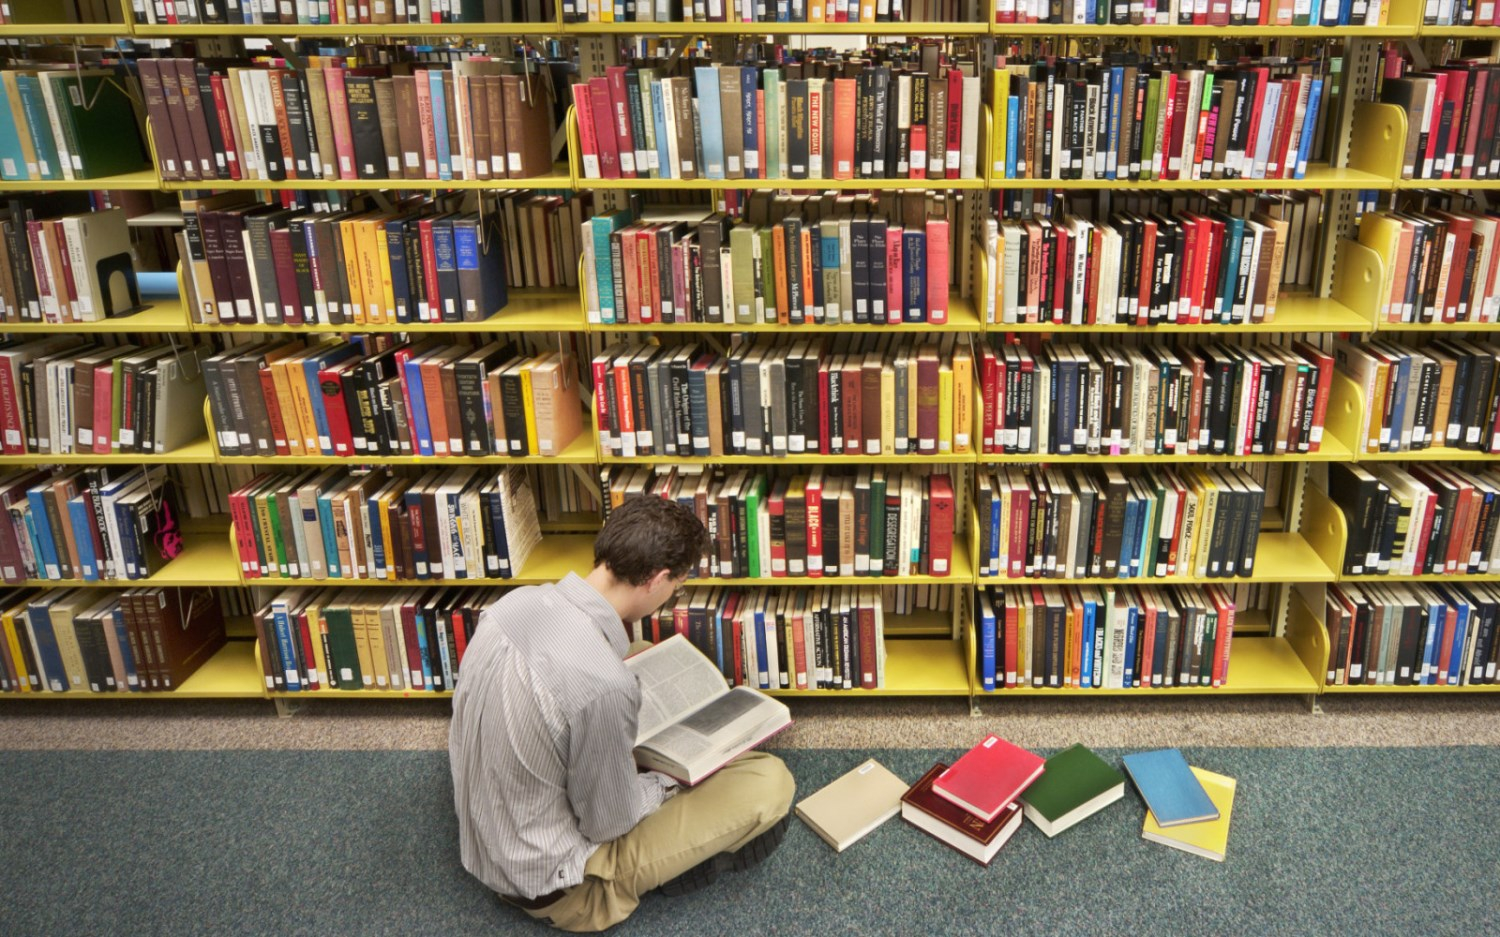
[1171, 791]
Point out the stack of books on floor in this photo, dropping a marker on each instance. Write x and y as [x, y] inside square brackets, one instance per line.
[972, 805]
[1187, 807]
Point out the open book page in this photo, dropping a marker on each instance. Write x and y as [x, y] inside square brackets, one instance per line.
[690, 722]
[675, 679]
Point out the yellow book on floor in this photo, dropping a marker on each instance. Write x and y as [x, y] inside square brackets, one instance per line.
[1209, 840]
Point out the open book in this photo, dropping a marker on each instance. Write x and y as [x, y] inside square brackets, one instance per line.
[691, 724]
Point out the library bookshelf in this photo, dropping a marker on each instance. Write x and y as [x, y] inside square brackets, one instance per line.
[1279, 650]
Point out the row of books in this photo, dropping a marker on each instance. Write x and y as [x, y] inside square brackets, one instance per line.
[314, 638]
[463, 523]
[251, 262]
[65, 123]
[1418, 520]
[1104, 637]
[479, 119]
[74, 267]
[62, 395]
[91, 524]
[826, 118]
[424, 259]
[787, 11]
[1410, 634]
[823, 637]
[855, 394]
[1195, 12]
[1215, 399]
[1133, 269]
[1440, 266]
[1142, 120]
[869, 522]
[106, 641]
[827, 260]
[1457, 13]
[1450, 117]
[331, 12]
[1072, 522]
[1442, 394]
[373, 395]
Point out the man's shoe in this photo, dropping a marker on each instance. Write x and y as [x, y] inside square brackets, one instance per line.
[748, 857]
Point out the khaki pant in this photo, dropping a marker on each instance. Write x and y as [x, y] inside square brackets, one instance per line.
[743, 799]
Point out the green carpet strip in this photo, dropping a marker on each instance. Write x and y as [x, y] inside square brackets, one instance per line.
[1369, 841]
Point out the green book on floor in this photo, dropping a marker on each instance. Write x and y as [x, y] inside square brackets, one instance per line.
[1075, 785]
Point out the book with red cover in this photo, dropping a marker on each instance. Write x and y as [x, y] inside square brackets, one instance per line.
[940, 507]
[976, 838]
[988, 777]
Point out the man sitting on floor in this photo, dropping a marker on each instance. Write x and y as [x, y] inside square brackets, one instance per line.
[552, 811]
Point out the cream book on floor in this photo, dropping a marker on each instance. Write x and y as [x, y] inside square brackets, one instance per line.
[850, 808]
[1209, 839]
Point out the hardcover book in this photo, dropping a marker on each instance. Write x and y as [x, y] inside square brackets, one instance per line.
[939, 818]
[988, 777]
[851, 807]
[1210, 838]
[1171, 791]
[1075, 785]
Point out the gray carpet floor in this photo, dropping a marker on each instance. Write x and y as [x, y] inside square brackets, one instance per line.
[1341, 840]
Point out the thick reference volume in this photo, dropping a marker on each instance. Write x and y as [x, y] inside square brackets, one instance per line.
[691, 724]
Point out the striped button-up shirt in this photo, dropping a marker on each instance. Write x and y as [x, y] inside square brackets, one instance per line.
[544, 721]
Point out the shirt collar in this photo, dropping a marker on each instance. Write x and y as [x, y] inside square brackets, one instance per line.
[577, 590]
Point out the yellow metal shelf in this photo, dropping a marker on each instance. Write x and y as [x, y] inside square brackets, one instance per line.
[206, 560]
[913, 667]
[232, 673]
[158, 316]
[557, 179]
[1437, 326]
[144, 179]
[705, 185]
[1423, 577]
[33, 30]
[197, 453]
[578, 452]
[801, 458]
[961, 318]
[962, 575]
[776, 29]
[1440, 454]
[1295, 313]
[1331, 450]
[341, 30]
[1483, 184]
[1279, 557]
[1319, 176]
[1257, 665]
[551, 310]
[1020, 30]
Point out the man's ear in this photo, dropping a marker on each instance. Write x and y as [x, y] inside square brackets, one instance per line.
[658, 579]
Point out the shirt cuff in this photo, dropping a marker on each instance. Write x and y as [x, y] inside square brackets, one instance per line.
[657, 787]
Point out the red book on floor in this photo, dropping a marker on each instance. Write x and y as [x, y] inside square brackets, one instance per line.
[975, 837]
[988, 777]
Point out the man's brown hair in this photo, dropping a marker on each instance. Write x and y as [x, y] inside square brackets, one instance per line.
[647, 534]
